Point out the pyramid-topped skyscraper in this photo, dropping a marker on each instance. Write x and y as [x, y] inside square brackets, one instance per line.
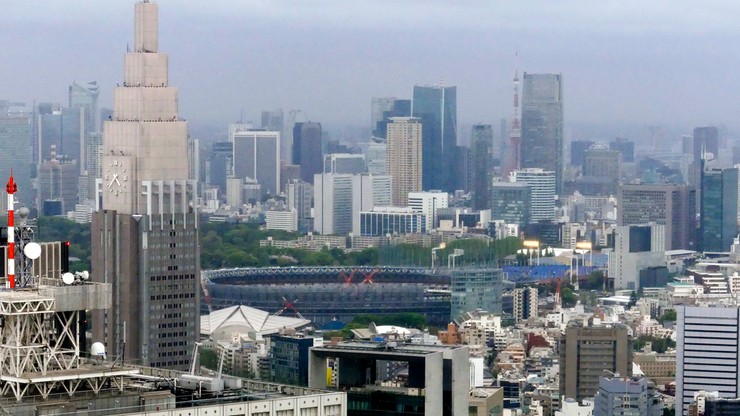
[145, 239]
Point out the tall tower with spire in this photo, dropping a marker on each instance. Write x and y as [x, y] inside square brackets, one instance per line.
[145, 240]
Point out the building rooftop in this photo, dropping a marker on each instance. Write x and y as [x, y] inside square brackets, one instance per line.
[246, 320]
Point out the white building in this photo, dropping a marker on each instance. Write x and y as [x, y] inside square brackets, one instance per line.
[636, 247]
[381, 221]
[708, 346]
[428, 203]
[375, 155]
[332, 199]
[542, 192]
[282, 220]
[368, 192]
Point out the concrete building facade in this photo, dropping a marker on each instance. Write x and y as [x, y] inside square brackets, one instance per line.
[404, 157]
[145, 240]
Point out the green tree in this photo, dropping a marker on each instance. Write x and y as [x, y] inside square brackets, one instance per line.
[568, 297]
[669, 315]
[633, 300]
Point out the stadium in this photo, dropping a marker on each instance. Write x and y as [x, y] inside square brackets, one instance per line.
[325, 294]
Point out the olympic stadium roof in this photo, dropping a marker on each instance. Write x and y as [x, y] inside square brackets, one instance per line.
[225, 324]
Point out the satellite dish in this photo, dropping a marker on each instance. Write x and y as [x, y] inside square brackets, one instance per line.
[32, 250]
[68, 278]
[85, 275]
[97, 350]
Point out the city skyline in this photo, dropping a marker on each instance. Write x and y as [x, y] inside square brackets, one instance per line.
[629, 60]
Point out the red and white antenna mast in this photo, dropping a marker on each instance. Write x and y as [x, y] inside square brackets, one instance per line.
[11, 188]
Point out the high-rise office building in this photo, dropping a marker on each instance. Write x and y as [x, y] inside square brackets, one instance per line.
[307, 149]
[86, 97]
[481, 165]
[219, 165]
[586, 352]
[404, 161]
[382, 110]
[368, 192]
[636, 248]
[145, 239]
[428, 203]
[332, 200]
[63, 129]
[475, 289]
[525, 302]
[578, 151]
[542, 124]
[542, 192]
[344, 163]
[299, 195]
[719, 207]
[375, 158]
[707, 350]
[257, 156]
[436, 108]
[601, 161]
[705, 139]
[16, 151]
[510, 202]
[57, 185]
[673, 206]
[625, 147]
[272, 120]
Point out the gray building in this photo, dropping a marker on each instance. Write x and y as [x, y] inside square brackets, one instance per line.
[673, 206]
[16, 151]
[437, 382]
[63, 130]
[257, 156]
[481, 165]
[586, 352]
[473, 289]
[510, 202]
[436, 107]
[299, 196]
[625, 396]
[145, 239]
[307, 149]
[344, 163]
[542, 124]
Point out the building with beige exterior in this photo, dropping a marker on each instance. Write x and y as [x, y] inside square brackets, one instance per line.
[403, 157]
[586, 352]
[145, 240]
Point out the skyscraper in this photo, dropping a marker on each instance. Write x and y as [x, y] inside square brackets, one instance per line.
[671, 205]
[404, 157]
[542, 192]
[257, 156]
[307, 150]
[706, 139]
[272, 120]
[481, 165]
[332, 196]
[299, 195]
[145, 240]
[718, 218]
[57, 186]
[16, 151]
[382, 110]
[64, 129]
[436, 108]
[510, 202]
[708, 344]
[542, 124]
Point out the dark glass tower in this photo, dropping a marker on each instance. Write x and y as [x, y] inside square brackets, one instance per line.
[437, 109]
[542, 124]
[307, 150]
[718, 208]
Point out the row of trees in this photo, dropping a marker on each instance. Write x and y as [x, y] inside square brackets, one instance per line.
[237, 245]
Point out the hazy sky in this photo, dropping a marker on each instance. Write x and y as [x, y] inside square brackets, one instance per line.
[642, 62]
